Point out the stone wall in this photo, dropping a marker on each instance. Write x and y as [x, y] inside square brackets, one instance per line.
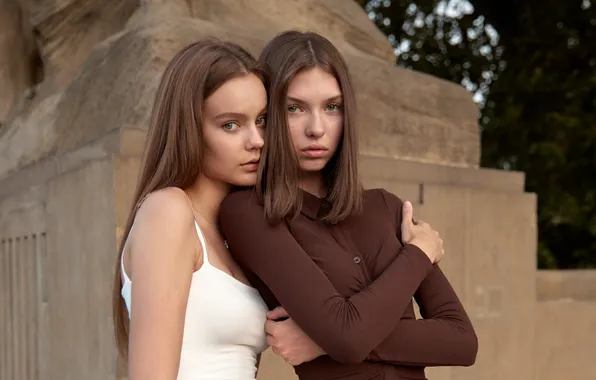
[565, 327]
[108, 82]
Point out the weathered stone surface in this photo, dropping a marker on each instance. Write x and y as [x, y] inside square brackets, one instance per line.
[566, 285]
[18, 56]
[342, 21]
[116, 85]
[408, 115]
[98, 84]
[49, 40]
[402, 114]
[67, 30]
[564, 340]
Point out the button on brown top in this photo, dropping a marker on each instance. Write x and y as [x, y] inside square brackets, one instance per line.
[362, 315]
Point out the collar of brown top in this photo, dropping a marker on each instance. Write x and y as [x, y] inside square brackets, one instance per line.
[313, 206]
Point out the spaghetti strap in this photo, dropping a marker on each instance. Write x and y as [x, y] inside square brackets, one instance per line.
[122, 270]
[198, 229]
[203, 243]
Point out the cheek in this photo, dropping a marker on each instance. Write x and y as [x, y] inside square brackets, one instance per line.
[296, 127]
[219, 157]
[335, 131]
[223, 156]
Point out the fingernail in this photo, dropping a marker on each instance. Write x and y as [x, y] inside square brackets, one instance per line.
[408, 204]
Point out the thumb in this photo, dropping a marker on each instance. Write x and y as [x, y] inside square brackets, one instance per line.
[407, 215]
[277, 313]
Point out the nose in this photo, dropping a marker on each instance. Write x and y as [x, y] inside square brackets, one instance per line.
[255, 138]
[316, 126]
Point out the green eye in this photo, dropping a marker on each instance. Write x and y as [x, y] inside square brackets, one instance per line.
[261, 120]
[230, 126]
[293, 108]
[334, 107]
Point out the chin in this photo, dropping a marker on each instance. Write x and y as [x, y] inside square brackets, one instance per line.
[313, 166]
[248, 179]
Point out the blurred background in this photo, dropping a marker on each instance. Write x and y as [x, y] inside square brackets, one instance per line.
[531, 68]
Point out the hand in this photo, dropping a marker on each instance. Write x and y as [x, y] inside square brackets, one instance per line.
[288, 340]
[421, 235]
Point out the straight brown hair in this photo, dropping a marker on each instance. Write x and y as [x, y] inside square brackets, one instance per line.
[173, 151]
[285, 56]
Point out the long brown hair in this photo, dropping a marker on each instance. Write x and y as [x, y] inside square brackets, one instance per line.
[172, 154]
[285, 56]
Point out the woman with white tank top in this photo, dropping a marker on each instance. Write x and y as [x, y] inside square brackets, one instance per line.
[224, 319]
[183, 308]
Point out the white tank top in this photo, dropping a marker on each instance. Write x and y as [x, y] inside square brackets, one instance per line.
[224, 325]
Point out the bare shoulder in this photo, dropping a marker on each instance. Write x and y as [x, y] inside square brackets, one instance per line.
[164, 207]
[165, 216]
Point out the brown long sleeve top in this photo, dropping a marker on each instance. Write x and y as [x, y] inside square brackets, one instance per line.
[349, 286]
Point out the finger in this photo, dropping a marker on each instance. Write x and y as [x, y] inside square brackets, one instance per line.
[277, 313]
[421, 224]
[270, 327]
[407, 214]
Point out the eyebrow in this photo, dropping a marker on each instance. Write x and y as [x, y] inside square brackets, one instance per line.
[236, 115]
[331, 99]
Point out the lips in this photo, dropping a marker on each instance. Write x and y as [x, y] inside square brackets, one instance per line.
[251, 166]
[315, 151]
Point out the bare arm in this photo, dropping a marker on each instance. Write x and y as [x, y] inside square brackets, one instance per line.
[163, 251]
[347, 328]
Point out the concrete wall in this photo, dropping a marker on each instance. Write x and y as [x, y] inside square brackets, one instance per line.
[566, 285]
[565, 329]
[489, 228]
[57, 256]
[23, 299]
[565, 340]
[61, 218]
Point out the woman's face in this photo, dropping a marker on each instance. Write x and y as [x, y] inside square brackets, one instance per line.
[234, 119]
[315, 117]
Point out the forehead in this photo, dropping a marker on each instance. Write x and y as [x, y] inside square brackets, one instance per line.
[243, 95]
[314, 83]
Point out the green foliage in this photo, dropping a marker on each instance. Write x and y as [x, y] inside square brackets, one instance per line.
[532, 68]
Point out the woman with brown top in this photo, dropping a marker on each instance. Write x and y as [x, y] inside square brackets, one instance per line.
[344, 262]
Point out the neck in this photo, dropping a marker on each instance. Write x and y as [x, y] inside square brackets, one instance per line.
[312, 182]
[206, 195]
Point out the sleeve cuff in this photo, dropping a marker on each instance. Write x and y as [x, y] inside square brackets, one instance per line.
[420, 257]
